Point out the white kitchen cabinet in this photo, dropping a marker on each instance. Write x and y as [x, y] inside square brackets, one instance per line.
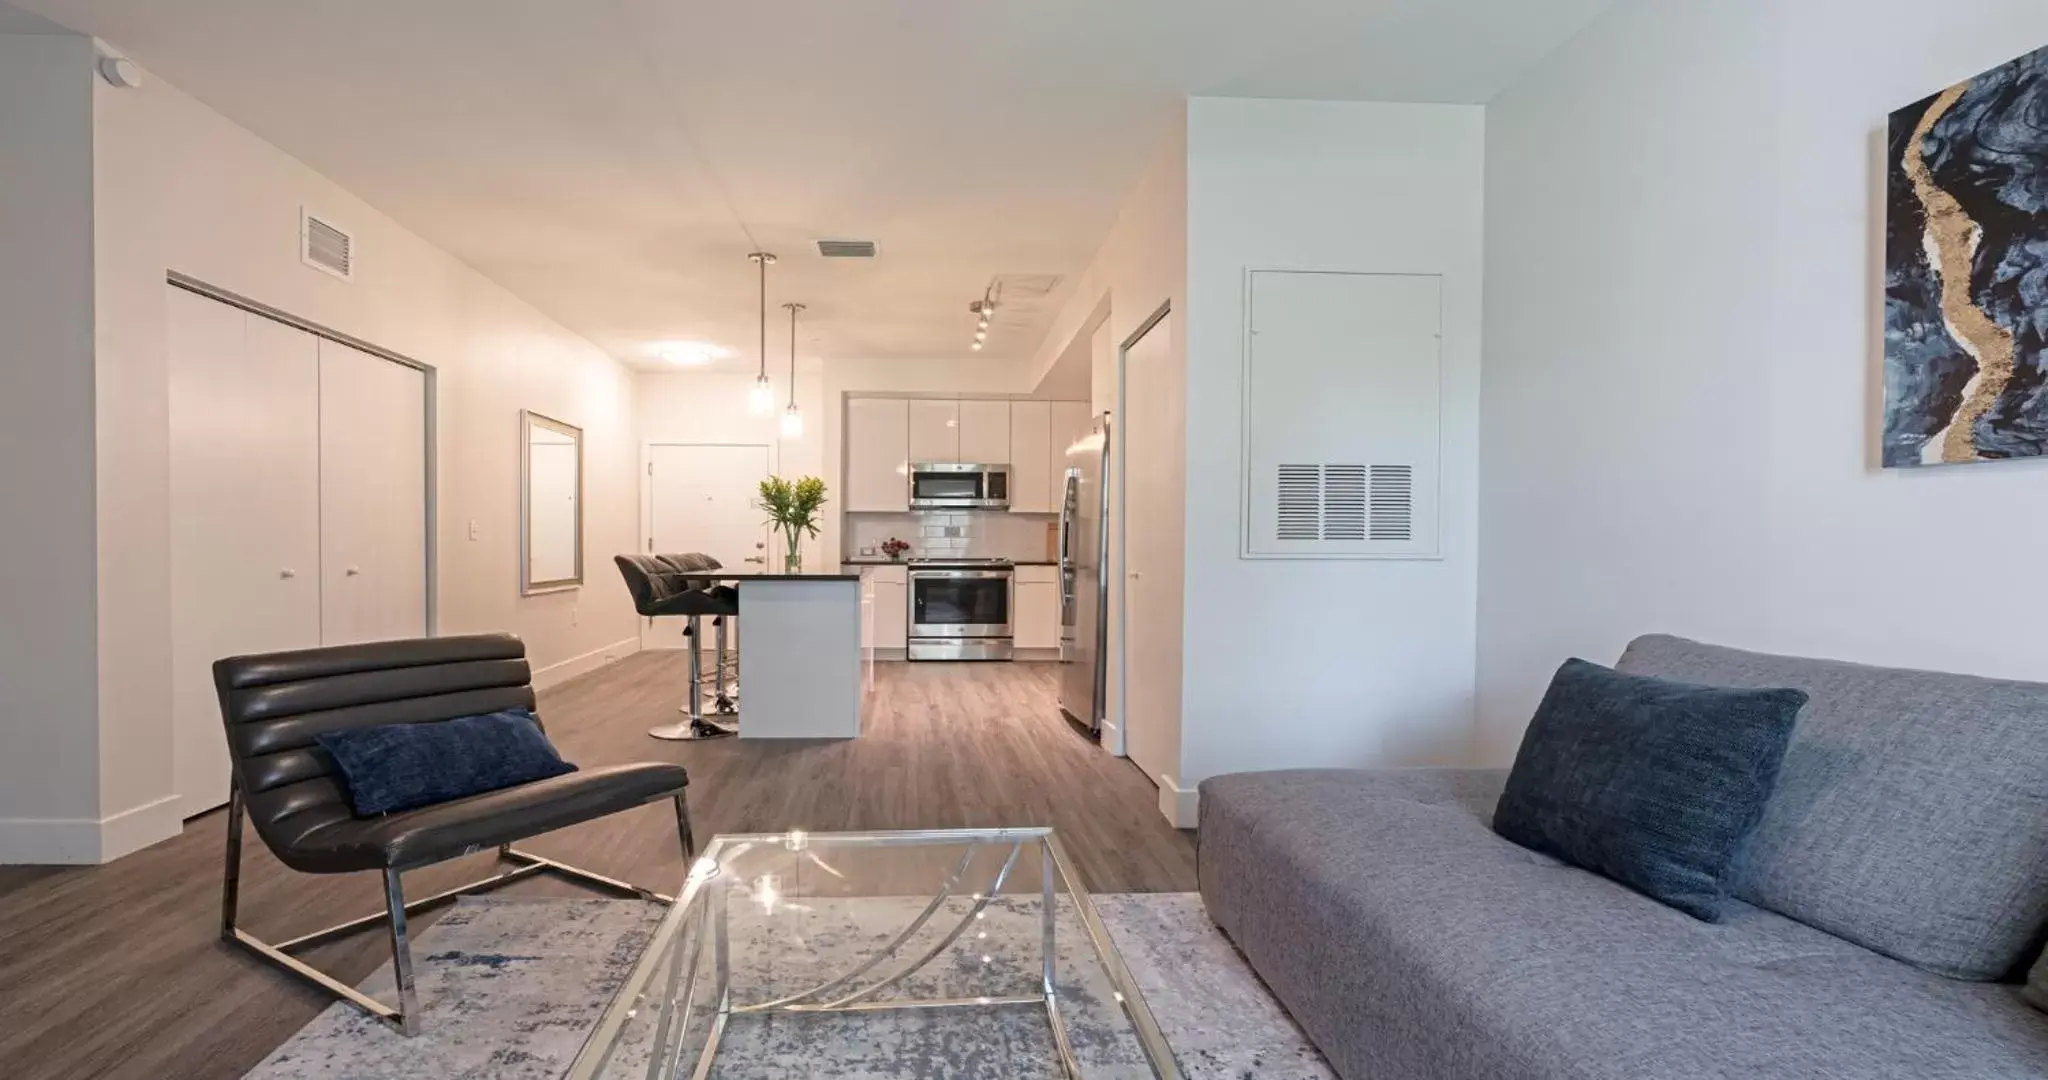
[878, 455]
[1037, 609]
[1030, 458]
[934, 430]
[885, 591]
[985, 432]
[892, 609]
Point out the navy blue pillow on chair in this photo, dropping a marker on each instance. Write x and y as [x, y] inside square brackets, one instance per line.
[1653, 784]
[406, 766]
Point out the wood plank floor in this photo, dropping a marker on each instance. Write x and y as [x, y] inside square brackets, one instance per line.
[118, 971]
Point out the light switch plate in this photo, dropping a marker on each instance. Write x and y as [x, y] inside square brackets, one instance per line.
[472, 529]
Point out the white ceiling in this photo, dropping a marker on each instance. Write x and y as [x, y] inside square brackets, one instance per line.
[16, 21]
[613, 161]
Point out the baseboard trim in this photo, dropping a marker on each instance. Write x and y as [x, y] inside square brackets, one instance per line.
[132, 830]
[1181, 806]
[558, 673]
[87, 841]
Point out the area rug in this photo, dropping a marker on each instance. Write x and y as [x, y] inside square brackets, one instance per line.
[510, 988]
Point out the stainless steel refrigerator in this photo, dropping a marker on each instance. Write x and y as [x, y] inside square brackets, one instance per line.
[1084, 584]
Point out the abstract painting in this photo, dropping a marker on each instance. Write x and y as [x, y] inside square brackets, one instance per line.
[1966, 282]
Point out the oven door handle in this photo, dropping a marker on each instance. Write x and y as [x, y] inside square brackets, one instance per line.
[960, 575]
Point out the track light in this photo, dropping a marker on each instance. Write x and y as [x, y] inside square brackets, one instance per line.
[984, 309]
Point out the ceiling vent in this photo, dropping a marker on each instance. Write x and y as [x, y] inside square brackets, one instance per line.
[1015, 288]
[847, 249]
[326, 247]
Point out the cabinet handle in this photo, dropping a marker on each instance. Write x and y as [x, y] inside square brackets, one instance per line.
[287, 573]
[353, 571]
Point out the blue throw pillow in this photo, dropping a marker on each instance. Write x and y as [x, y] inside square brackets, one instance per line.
[1651, 783]
[405, 766]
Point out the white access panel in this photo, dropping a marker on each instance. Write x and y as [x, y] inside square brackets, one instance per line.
[1343, 415]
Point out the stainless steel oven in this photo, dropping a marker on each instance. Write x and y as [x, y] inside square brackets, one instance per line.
[960, 610]
[949, 485]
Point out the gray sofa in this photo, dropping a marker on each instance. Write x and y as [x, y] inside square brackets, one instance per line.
[1900, 872]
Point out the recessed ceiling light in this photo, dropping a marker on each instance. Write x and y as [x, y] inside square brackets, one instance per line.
[689, 353]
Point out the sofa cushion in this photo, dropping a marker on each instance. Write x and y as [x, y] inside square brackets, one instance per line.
[397, 767]
[1410, 941]
[1652, 783]
[1911, 813]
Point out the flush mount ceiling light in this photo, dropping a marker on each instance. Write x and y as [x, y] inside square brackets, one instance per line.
[689, 353]
[761, 398]
[792, 419]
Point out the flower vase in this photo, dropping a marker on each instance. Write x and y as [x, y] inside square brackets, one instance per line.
[793, 554]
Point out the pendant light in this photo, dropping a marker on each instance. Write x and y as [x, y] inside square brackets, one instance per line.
[792, 417]
[761, 399]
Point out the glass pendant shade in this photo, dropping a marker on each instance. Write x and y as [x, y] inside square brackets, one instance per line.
[761, 399]
[792, 423]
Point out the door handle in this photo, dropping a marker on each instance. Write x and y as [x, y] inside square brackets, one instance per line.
[754, 559]
[287, 573]
[353, 571]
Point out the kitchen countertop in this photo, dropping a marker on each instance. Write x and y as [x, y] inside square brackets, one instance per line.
[758, 575]
[869, 560]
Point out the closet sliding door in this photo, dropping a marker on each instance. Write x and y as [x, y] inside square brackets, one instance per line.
[373, 497]
[298, 508]
[244, 514]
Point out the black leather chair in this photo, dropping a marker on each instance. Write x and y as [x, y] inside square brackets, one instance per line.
[273, 705]
[674, 586]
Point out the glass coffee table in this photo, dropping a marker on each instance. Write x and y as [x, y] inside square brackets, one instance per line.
[956, 953]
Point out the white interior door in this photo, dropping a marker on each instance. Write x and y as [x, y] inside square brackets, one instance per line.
[1154, 498]
[701, 499]
[244, 514]
[373, 497]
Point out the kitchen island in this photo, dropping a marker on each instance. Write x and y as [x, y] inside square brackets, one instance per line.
[800, 653]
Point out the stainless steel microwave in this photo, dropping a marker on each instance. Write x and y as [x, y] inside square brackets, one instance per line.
[943, 485]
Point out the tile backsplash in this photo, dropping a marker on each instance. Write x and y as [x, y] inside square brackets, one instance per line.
[968, 534]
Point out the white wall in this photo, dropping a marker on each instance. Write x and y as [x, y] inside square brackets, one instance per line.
[178, 187]
[1684, 260]
[48, 668]
[1326, 663]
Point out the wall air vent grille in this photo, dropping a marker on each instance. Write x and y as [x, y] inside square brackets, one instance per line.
[1301, 503]
[327, 247]
[1343, 503]
[1393, 503]
[847, 249]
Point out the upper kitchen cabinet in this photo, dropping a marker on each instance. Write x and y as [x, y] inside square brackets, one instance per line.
[934, 430]
[985, 432]
[1030, 458]
[878, 455]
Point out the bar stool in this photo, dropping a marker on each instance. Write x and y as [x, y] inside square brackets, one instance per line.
[663, 587]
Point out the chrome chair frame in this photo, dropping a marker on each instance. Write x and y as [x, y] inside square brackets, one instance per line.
[405, 1016]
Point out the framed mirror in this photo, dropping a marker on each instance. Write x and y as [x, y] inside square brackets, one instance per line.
[550, 505]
